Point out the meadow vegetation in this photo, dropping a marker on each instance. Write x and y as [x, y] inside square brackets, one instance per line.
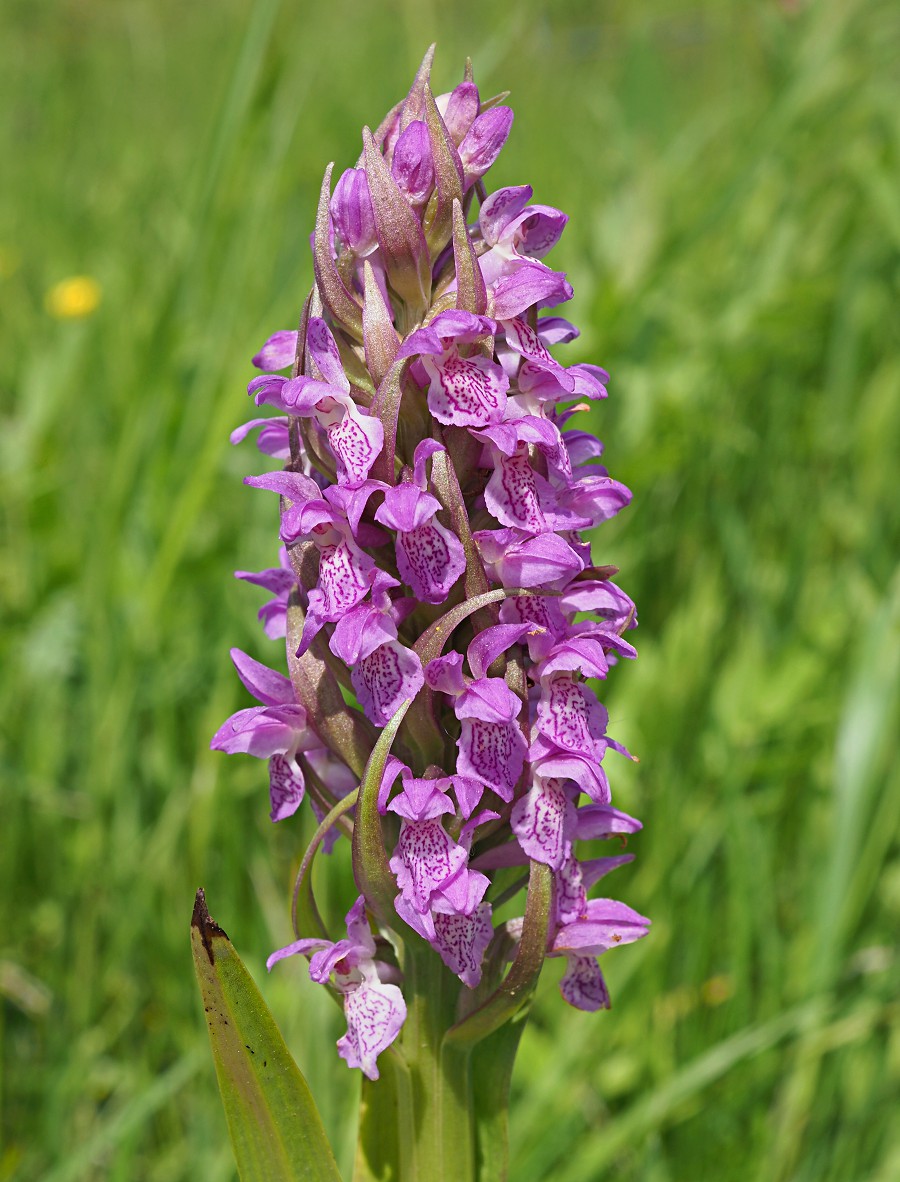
[732, 172]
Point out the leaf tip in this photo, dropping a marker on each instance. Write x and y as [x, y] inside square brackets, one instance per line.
[206, 926]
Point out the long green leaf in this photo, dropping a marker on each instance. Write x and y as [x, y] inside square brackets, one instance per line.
[518, 984]
[276, 1131]
[370, 861]
[492, 1068]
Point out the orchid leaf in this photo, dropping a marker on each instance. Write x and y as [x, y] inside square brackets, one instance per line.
[492, 1067]
[448, 175]
[370, 861]
[304, 912]
[412, 105]
[275, 1128]
[386, 408]
[379, 335]
[337, 298]
[517, 986]
[386, 1139]
[400, 237]
[471, 293]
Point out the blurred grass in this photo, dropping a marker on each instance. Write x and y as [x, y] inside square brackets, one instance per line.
[732, 173]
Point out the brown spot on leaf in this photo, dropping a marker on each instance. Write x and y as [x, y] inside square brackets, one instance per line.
[205, 924]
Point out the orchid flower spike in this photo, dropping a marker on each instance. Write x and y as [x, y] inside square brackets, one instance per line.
[448, 630]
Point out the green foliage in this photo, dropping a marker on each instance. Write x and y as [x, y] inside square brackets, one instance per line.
[731, 170]
[275, 1128]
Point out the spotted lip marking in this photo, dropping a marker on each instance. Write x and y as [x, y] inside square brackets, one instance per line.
[205, 924]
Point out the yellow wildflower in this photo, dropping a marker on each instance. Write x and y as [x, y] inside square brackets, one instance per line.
[73, 298]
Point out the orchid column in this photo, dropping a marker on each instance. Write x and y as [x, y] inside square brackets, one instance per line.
[443, 619]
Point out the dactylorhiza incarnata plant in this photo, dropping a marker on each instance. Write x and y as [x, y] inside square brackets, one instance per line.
[442, 615]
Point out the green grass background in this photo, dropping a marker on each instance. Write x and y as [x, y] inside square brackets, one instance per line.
[732, 169]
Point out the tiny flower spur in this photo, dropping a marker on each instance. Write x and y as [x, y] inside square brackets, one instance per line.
[445, 623]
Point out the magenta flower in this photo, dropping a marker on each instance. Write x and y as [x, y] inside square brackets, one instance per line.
[374, 1008]
[448, 629]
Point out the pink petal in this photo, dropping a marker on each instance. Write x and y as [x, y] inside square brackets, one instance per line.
[493, 753]
[466, 391]
[543, 821]
[286, 787]
[375, 1014]
[278, 352]
[462, 941]
[430, 559]
[385, 679]
[582, 984]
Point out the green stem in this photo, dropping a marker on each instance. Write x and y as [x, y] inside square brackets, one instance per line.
[441, 1082]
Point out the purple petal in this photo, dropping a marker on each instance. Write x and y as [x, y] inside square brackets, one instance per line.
[278, 352]
[597, 498]
[392, 769]
[296, 487]
[445, 674]
[512, 494]
[430, 559]
[267, 686]
[375, 1014]
[356, 440]
[345, 575]
[423, 453]
[322, 348]
[422, 799]
[484, 141]
[555, 330]
[426, 857]
[360, 632]
[529, 284]
[272, 439]
[413, 165]
[576, 653]
[500, 209]
[261, 731]
[524, 340]
[493, 753]
[608, 924]
[582, 984]
[604, 599]
[459, 110]
[454, 324]
[488, 645]
[298, 946]
[351, 208]
[538, 229]
[466, 391]
[488, 699]
[469, 792]
[462, 941]
[543, 821]
[570, 716]
[585, 771]
[385, 679]
[286, 787]
[406, 507]
[520, 561]
[602, 820]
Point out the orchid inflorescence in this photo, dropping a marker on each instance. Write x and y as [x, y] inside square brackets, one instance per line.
[440, 606]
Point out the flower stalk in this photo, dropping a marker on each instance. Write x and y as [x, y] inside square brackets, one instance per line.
[444, 626]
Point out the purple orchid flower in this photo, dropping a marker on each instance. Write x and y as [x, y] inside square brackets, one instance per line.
[436, 582]
[374, 1008]
[430, 557]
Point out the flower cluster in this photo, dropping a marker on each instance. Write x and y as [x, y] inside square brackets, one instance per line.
[434, 494]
